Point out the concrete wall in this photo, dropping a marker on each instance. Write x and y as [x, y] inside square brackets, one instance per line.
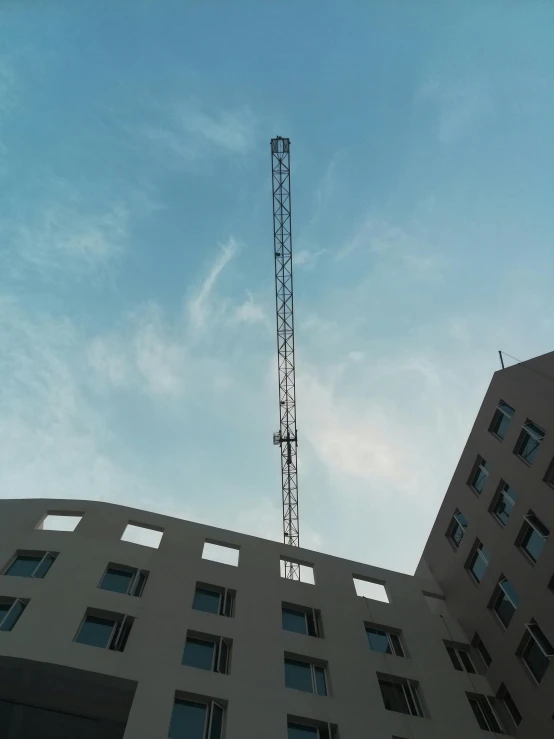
[529, 388]
[257, 700]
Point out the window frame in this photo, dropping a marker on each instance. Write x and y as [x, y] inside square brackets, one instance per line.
[227, 598]
[501, 494]
[498, 416]
[319, 726]
[480, 698]
[313, 666]
[307, 613]
[210, 704]
[387, 631]
[476, 552]
[133, 582]
[479, 645]
[218, 655]
[459, 650]
[12, 603]
[531, 523]
[549, 474]
[480, 466]
[503, 695]
[34, 554]
[457, 525]
[499, 593]
[410, 691]
[529, 431]
[546, 648]
[121, 629]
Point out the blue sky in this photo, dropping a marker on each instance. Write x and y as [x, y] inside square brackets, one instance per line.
[137, 326]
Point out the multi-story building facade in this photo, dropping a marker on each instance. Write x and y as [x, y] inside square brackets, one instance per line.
[103, 637]
[490, 548]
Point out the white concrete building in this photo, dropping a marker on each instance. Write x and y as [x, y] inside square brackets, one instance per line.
[101, 637]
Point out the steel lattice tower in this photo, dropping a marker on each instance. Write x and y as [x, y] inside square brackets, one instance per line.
[286, 437]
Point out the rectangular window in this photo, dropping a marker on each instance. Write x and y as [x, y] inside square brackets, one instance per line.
[478, 562]
[456, 529]
[215, 551]
[529, 442]
[483, 651]
[485, 713]
[479, 475]
[10, 611]
[365, 587]
[306, 729]
[109, 631]
[292, 570]
[213, 599]
[125, 580]
[401, 695]
[208, 652]
[536, 651]
[508, 701]
[143, 534]
[60, 521]
[305, 676]
[301, 620]
[384, 640]
[192, 719]
[504, 602]
[532, 537]
[460, 658]
[501, 419]
[31, 564]
[503, 503]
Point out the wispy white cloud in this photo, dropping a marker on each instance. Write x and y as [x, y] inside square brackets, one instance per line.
[191, 132]
[250, 311]
[199, 307]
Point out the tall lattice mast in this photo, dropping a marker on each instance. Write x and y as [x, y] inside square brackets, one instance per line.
[286, 437]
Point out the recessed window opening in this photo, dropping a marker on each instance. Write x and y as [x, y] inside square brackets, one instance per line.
[305, 570]
[372, 589]
[501, 419]
[137, 533]
[10, 611]
[227, 554]
[60, 521]
[31, 564]
[125, 580]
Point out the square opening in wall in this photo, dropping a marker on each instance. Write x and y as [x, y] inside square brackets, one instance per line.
[295, 571]
[137, 533]
[372, 589]
[226, 554]
[60, 521]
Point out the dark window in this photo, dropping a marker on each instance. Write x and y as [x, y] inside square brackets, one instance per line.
[301, 621]
[305, 676]
[211, 653]
[400, 695]
[10, 611]
[124, 580]
[218, 601]
[479, 475]
[505, 602]
[298, 731]
[529, 442]
[484, 712]
[533, 536]
[96, 632]
[199, 653]
[456, 529]
[460, 658]
[511, 707]
[105, 632]
[501, 419]
[383, 641]
[31, 565]
[536, 651]
[483, 651]
[478, 562]
[194, 720]
[504, 503]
